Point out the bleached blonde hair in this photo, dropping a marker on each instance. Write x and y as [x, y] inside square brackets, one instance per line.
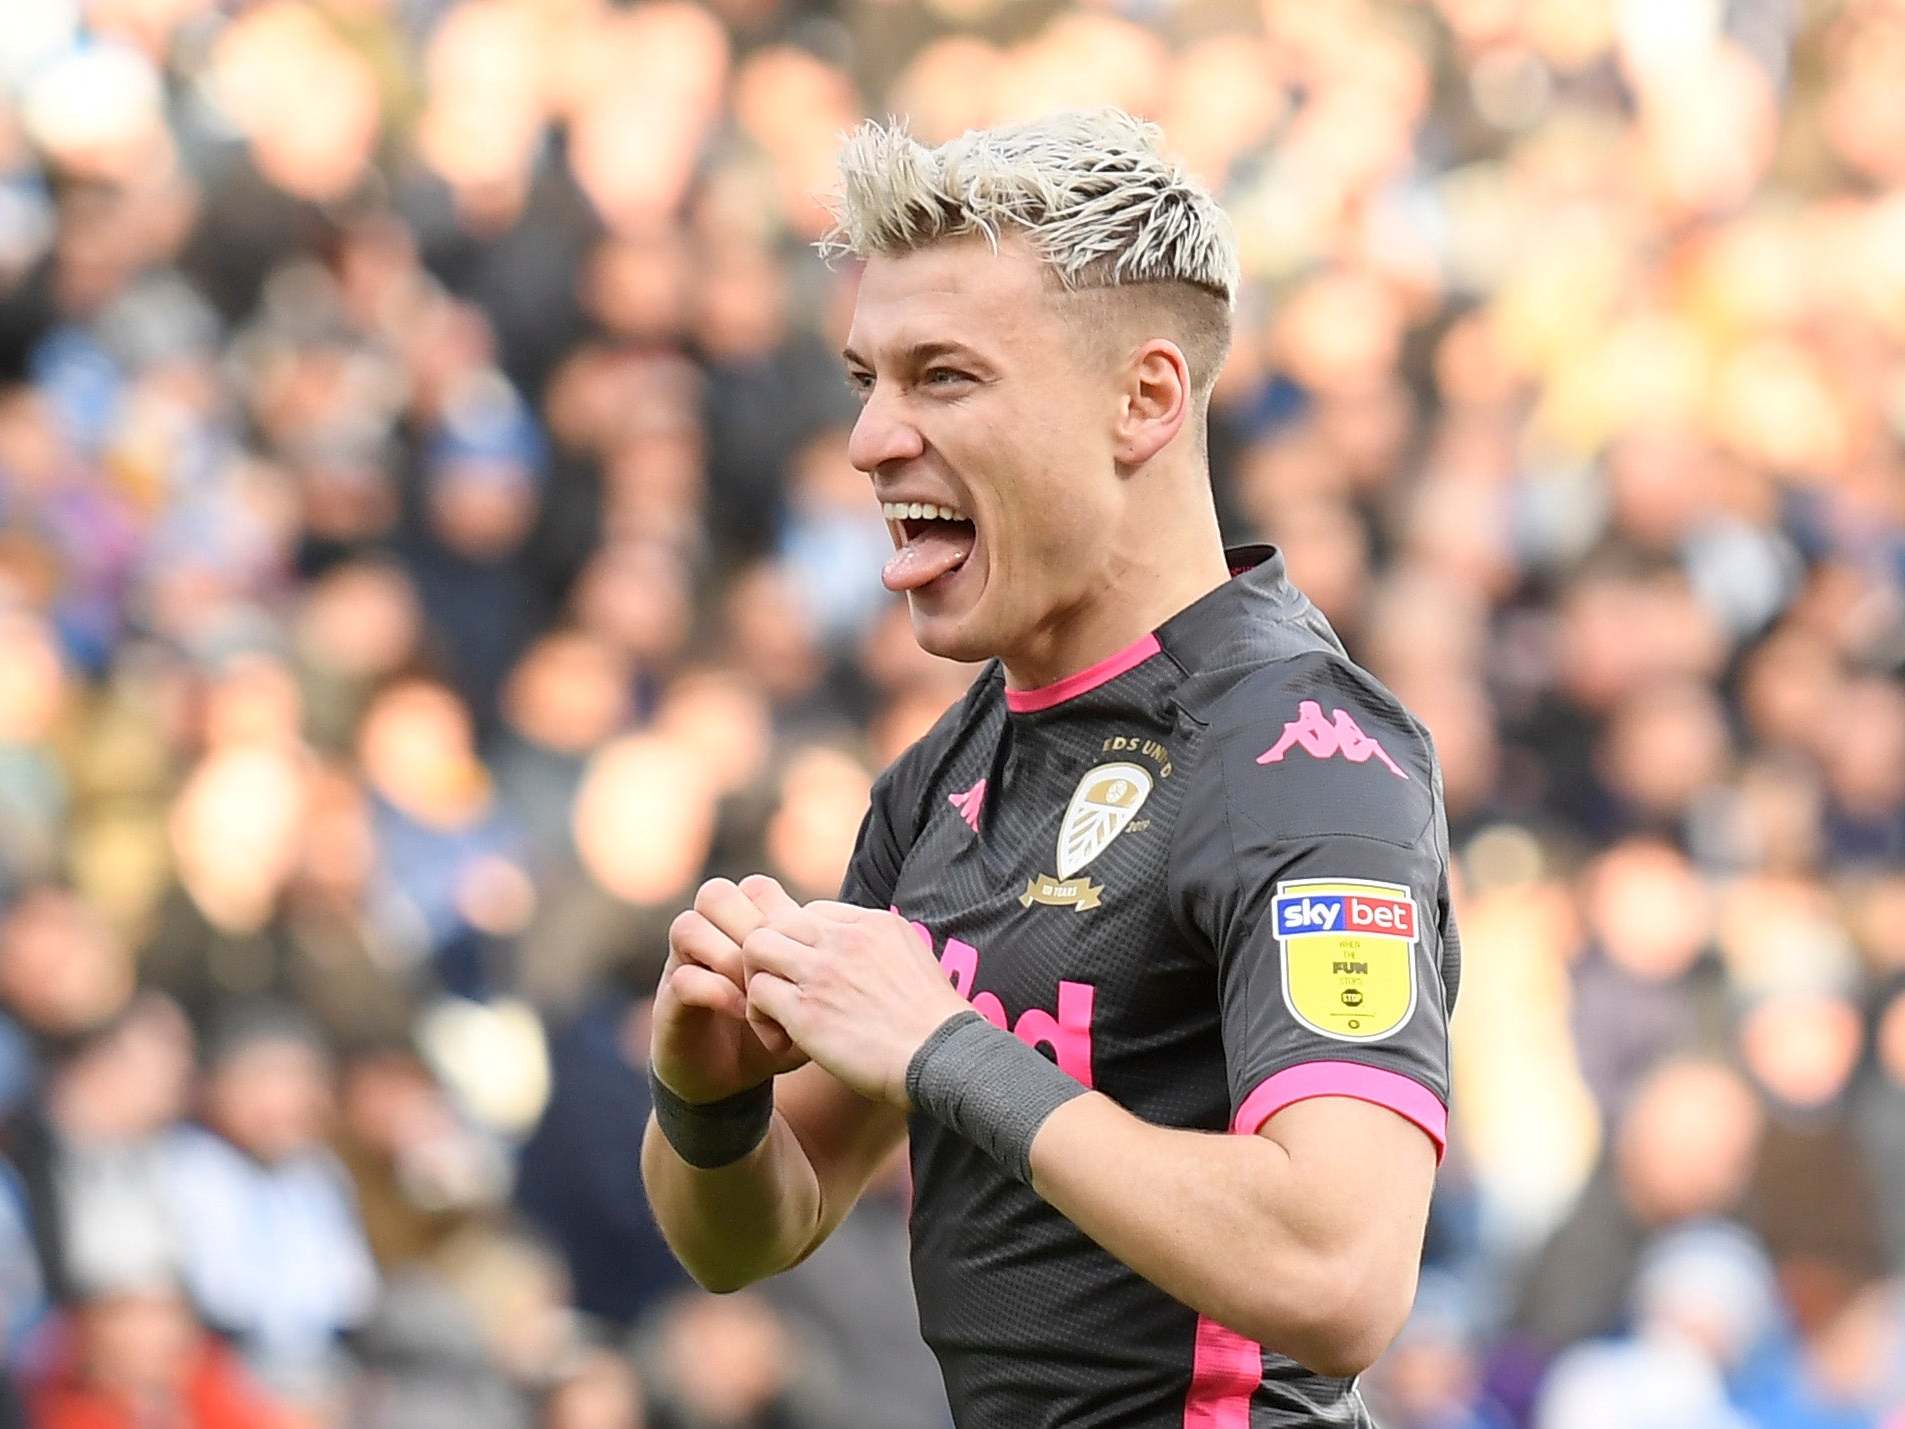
[1123, 231]
[1091, 190]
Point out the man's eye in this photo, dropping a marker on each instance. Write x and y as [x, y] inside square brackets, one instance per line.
[860, 383]
[941, 376]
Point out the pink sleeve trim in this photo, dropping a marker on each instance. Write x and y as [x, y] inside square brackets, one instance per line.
[1403, 1095]
[1072, 686]
[1226, 1370]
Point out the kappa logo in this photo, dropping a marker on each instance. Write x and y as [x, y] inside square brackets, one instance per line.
[1348, 946]
[1325, 738]
[1103, 804]
[969, 803]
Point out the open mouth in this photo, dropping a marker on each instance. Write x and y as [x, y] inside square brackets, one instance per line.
[933, 541]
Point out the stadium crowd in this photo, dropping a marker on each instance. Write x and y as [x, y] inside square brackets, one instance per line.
[427, 549]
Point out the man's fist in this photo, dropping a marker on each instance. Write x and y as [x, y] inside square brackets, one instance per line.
[708, 1044]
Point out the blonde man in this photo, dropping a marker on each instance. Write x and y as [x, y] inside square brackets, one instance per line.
[1148, 941]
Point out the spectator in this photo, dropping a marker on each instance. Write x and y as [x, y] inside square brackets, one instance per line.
[420, 1172]
[1649, 984]
[425, 1364]
[134, 1356]
[1842, 1370]
[1686, 1151]
[221, 929]
[852, 1293]
[92, 1151]
[730, 1362]
[63, 973]
[273, 1251]
[568, 694]
[451, 852]
[581, 1179]
[484, 469]
[643, 825]
[600, 1391]
[1812, 1198]
[1704, 1303]
[1879, 1113]
[1432, 1376]
[33, 794]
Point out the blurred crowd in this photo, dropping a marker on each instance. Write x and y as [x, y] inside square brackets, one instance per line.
[427, 549]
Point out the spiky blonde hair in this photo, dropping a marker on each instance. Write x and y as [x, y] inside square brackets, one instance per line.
[1091, 190]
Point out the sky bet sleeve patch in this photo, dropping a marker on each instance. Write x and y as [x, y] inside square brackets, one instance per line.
[1348, 955]
[1319, 882]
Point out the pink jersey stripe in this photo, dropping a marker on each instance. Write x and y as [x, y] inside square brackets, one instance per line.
[1072, 686]
[1402, 1095]
[1225, 1371]
[1226, 1368]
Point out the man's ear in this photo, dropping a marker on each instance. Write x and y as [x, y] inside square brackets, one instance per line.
[1154, 403]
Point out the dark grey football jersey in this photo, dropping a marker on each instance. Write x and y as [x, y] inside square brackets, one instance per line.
[1209, 878]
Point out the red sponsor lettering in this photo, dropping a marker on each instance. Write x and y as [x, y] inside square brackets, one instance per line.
[1394, 916]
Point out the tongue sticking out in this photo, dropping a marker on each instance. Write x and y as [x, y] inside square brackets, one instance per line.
[937, 548]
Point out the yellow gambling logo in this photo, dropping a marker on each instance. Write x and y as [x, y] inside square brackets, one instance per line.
[1349, 967]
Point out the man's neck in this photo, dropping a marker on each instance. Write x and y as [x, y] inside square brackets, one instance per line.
[1142, 591]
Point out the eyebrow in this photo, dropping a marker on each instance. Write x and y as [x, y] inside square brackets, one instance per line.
[920, 353]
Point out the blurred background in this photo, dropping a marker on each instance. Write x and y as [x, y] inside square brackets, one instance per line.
[427, 549]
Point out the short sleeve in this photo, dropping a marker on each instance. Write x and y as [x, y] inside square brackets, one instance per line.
[895, 812]
[886, 833]
[1312, 862]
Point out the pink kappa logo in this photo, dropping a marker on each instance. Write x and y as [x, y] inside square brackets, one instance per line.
[969, 803]
[1324, 739]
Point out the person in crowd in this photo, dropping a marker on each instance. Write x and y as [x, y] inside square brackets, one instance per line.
[92, 1153]
[272, 1250]
[131, 1355]
[1433, 1376]
[1686, 1150]
[580, 1179]
[1704, 1305]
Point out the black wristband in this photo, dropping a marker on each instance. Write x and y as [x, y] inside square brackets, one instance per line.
[709, 1135]
[983, 1083]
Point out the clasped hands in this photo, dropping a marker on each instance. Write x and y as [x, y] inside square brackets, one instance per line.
[854, 989]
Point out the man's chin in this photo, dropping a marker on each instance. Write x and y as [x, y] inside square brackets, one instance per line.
[951, 635]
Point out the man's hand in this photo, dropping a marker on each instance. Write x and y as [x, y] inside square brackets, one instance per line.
[856, 989]
[706, 1044]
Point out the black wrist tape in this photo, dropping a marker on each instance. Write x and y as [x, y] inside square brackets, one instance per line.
[713, 1134]
[989, 1087]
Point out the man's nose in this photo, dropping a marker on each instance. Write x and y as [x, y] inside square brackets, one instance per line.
[883, 435]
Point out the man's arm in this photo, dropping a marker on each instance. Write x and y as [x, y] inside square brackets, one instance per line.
[733, 1223]
[770, 1210]
[1311, 859]
[1304, 1237]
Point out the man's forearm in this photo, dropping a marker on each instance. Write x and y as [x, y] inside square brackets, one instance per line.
[737, 1223]
[1229, 1226]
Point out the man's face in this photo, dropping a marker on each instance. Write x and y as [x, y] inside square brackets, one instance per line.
[979, 396]
[272, 1099]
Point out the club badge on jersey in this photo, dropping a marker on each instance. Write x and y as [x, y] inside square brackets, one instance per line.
[1349, 967]
[1102, 807]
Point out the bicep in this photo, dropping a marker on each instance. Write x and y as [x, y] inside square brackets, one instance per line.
[846, 1138]
[1367, 1173]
